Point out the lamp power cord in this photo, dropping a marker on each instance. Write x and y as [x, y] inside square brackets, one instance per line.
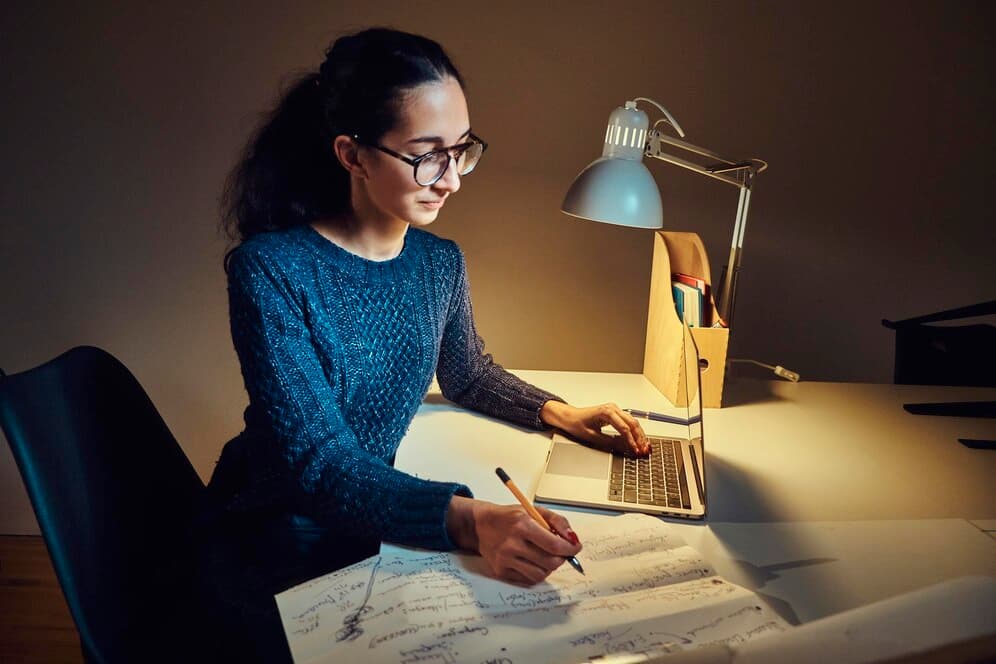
[778, 370]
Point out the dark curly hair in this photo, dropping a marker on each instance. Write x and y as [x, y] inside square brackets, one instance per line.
[288, 174]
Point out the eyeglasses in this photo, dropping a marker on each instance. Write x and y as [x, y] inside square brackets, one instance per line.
[431, 166]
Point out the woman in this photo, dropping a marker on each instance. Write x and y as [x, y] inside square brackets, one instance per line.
[342, 308]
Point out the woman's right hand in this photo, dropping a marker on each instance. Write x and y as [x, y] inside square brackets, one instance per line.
[516, 548]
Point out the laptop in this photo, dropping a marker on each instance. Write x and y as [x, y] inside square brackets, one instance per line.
[671, 482]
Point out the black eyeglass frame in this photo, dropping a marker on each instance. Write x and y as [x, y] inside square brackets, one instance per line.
[415, 161]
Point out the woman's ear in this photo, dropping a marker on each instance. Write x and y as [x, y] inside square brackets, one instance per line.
[347, 151]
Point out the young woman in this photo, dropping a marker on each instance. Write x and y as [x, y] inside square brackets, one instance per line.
[342, 309]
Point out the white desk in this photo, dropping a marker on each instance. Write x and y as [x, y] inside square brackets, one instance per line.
[822, 496]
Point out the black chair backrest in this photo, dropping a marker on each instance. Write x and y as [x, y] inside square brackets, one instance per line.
[946, 354]
[114, 495]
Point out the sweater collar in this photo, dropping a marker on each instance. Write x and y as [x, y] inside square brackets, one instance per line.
[357, 267]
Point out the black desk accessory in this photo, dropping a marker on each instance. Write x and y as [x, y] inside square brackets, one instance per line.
[977, 444]
[953, 408]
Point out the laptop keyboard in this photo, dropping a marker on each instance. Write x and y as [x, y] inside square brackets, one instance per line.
[656, 480]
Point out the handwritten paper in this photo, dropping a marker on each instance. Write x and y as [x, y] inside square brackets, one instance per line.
[644, 590]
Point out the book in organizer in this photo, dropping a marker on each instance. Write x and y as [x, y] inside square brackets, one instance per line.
[688, 303]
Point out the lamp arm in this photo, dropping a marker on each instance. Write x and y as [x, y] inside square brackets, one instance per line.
[740, 174]
[719, 170]
[692, 166]
[728, 294]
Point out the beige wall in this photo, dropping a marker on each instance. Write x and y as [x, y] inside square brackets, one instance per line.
[119, 122]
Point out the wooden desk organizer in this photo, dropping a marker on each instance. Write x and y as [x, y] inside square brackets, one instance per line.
[682, 253]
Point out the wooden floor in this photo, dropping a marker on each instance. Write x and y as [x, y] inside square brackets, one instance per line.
[35, 625]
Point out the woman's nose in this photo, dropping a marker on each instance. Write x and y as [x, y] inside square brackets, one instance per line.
[450, 182]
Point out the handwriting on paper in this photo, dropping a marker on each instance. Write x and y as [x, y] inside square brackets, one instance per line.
[645, 590]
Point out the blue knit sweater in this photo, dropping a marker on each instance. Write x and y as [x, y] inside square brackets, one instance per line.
[337, 353]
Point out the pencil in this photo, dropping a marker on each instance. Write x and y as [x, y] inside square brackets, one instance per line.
[533, 512]
[659, 417]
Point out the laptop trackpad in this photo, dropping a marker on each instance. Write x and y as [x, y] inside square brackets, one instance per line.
[578, 461]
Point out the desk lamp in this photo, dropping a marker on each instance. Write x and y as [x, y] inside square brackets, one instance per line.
[618, 189]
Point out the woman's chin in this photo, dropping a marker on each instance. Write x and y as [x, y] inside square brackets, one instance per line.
[423, 217]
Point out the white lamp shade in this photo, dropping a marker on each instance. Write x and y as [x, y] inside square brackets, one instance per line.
[616, 191]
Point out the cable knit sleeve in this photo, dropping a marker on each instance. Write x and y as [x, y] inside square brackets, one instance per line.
[338, 483]
[470, 377]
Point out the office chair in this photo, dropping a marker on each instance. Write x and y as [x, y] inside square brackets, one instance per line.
[946, 354]
[116, 499]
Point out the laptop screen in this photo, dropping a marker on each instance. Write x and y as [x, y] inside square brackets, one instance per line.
[692, 386]
[676, 376]
[679, 412]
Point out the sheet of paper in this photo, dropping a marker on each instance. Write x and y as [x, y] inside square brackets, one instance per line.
[950, 612]
[644, 590]
[955, 615]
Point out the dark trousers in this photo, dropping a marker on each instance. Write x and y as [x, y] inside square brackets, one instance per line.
[249, 553]
[244, 562]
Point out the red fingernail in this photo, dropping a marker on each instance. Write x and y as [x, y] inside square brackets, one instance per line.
[572, 537]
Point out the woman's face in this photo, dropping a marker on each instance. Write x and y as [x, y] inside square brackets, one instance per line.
[433, 115]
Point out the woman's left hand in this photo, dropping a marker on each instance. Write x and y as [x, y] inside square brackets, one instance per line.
[586, 425]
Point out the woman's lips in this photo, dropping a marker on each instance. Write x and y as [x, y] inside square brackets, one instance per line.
[435, 205]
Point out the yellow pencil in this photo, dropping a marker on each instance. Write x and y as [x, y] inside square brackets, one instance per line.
[533, 512]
